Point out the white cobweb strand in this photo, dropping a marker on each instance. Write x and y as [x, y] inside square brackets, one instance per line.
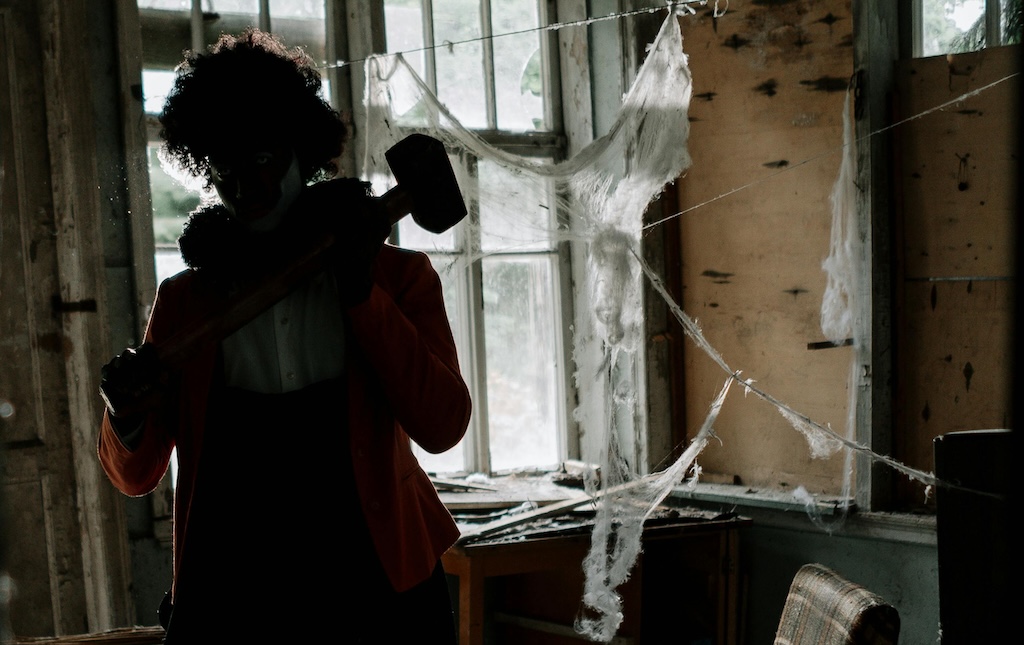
[623, 172]
[820, 444]
[600, 193]
[839, 319]
[841, 265]
[597, 197]
[618, 530]
[645, 150]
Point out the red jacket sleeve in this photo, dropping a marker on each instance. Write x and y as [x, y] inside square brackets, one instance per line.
[137, 472]
[402, 331]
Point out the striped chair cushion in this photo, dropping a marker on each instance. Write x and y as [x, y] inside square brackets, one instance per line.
[824, 609]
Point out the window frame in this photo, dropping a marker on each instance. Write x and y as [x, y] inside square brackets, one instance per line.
[913, 16]
[476, 447]
[354, 29]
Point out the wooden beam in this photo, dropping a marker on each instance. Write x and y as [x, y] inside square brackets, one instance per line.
[876, 48]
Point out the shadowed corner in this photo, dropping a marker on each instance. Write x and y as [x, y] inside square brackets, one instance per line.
[1012, 490]
[6, 583]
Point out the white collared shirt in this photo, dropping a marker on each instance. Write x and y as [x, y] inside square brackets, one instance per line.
[297, 342]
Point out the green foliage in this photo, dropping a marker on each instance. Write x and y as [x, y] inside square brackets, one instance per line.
[531, 81]
[974, 37]
[1012, 26]
[172, 202]
[167, 229]
[938, 29]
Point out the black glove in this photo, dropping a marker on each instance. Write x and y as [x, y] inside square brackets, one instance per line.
[355, 253]
[345, 208]
[132, 384]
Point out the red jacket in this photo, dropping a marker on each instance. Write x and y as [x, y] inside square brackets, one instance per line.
[403, 382]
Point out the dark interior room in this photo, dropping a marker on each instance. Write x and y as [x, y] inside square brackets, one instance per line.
[685, 321]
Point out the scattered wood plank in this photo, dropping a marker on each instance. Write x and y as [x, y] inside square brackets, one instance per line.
[122, 636]
[447, 484]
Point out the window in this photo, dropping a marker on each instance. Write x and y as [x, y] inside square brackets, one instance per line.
[958, 26]
[501, 86]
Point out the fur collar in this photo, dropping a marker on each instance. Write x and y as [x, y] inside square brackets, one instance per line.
[223, 250]
[208, 237]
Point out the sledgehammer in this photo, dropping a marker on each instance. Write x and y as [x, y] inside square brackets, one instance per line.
[426, 185]
[426, 188]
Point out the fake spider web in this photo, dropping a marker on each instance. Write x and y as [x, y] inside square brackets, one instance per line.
[600, 195]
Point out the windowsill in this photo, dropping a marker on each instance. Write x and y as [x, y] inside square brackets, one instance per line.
[779, 509]
[767, 508]
[513, 506]
[501, 493]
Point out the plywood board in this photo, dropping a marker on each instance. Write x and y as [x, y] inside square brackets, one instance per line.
[956, 356]
[958, 174]
[766, 137]
[957, 185]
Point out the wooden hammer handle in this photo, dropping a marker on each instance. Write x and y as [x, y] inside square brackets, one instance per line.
[423, 164]
[227, 316]
[232, 313]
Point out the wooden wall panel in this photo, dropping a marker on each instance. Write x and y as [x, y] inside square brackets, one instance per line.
[766, 137]
[46, 567]
[34, 610]
[959, 165]
[958, 188]
[52, 297]
[957, 356]
[31, 348]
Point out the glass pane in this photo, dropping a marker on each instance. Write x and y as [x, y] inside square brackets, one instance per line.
[403, 29]
[168, 262]
[171, 205]
[952, 26]
[413, 236]
[515, 215]
[518, 80]
[156, 83]
[308, 9]
[1010, 14]
[248, 7]
[300, 23]
[522, 374]
[460, 76]
[168, 5]
[451, 460]
[172, 202]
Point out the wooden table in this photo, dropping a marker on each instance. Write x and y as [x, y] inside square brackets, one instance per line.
[716, 558]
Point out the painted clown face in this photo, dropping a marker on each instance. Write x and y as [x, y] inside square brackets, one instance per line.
[257, 182]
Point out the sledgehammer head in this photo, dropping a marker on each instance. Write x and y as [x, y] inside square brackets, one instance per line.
[426, 184]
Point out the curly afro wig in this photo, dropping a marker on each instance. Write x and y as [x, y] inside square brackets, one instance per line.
[244, 86]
